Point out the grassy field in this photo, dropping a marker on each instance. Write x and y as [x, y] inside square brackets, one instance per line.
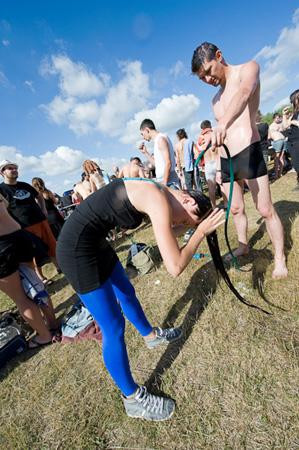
[234, 375]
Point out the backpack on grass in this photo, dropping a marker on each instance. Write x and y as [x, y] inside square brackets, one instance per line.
[12, 342]
[141, 258]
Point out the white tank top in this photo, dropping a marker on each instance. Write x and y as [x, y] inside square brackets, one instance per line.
[159, 160]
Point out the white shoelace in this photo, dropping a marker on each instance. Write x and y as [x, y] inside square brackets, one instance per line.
[151, 402]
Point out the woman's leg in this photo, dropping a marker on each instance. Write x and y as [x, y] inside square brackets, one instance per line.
[11, 286]
[125, 293]
[104, 307]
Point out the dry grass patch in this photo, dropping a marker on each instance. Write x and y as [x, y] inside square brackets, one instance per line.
[234, 375]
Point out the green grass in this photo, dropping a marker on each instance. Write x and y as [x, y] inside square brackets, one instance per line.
[234, 375]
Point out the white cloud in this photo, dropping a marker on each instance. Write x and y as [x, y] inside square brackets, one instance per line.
[122, 100]
[60, 168]
[178, 69]
[5, 42]
[171, 113]
[280, 61]
[75, 79]
[29, 84]
[283, 102]
[195, 129]
[58, 162]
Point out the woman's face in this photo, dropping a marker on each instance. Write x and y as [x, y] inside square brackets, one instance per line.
[191, 210]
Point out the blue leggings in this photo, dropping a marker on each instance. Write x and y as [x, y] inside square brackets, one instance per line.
[107, 305]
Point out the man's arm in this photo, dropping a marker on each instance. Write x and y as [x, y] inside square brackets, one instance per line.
[145, 152]
[164, 149]
[248, 83]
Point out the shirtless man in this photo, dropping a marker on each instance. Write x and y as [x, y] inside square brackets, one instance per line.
[83, 188]
[235, 106]
[134, 169]
[278, 143]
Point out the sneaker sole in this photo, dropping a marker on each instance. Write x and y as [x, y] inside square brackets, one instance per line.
[166, 343]
[152, 420]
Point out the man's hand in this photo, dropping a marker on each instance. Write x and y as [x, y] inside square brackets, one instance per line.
[218, 136]
[143, 149]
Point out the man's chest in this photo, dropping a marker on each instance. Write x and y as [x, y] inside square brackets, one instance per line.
[224, 97]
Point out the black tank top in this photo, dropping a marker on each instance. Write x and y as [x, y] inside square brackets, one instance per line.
[102, 211]
[83, 253]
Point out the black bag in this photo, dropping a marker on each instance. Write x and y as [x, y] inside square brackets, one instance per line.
[12, 342]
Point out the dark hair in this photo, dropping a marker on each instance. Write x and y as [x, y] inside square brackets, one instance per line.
[276, 114]
[181, 133]
[294, 99]
[205, 124]
[135, 158]
[204, 209]
[147, 123]
[205, 52]
[83, 176]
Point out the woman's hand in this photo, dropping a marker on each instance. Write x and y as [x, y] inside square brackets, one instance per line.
[213, 221]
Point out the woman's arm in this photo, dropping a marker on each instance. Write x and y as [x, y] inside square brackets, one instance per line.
[175, 258]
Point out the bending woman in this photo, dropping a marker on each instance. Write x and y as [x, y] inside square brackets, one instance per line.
[93, 269]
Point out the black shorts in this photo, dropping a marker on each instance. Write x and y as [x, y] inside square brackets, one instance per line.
[247, 165]
[15, 248]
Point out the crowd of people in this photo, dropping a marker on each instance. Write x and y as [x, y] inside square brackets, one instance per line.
[167, 187]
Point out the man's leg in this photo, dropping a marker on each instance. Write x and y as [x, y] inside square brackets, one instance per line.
[261, 195]
[239, 216]
[212, 192]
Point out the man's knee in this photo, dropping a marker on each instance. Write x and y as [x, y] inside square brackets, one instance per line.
[237, 210]
[266, 210]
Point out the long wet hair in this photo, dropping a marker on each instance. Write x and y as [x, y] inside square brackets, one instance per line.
[204, 209]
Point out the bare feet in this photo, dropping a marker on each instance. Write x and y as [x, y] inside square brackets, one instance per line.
[242, 250]
[280, 270]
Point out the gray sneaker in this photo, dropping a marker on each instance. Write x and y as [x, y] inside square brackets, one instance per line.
[148, 406]
[165, 336]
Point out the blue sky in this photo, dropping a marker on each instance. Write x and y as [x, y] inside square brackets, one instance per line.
[77, 77]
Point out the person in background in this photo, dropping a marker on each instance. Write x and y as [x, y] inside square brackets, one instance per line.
[16, 247]
[164, 159]
[54, 217]
[210, 158]
[292, 134]
[134, 169]
[263, 129]
[27, 207]
[185, 157]
[95, 174]
[278, 143]
[83, 189]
